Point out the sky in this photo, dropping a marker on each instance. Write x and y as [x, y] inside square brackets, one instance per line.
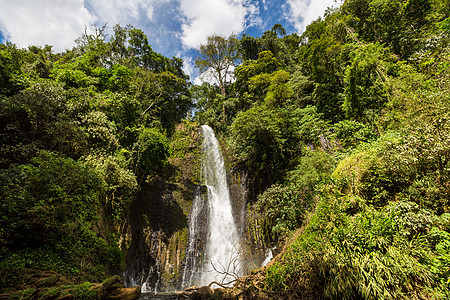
[174, 27]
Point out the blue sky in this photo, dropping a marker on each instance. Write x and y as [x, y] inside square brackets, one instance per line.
[174, 27]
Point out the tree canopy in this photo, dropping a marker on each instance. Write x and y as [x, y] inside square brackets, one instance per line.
[339, 135]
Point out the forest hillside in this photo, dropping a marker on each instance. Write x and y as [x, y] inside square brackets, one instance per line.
[345, 133]
[342, 133]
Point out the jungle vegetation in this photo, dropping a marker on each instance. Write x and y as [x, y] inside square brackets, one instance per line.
[80, 132]
[343, 131]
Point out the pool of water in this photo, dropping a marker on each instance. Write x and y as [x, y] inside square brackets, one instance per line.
[158, 296]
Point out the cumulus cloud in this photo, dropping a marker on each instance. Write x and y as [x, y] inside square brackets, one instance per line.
[302, 12]
[207, 76]
[60, 22]
[203, 18]
[171, 25]
[122, 11]
[195, 77]
[41, 22]
[253, 16]
[188, 66]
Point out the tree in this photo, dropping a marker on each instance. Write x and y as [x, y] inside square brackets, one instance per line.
[270, 41]
[366, 82]
[266, 64]
[218, 55]
[259, 144]
[249, 47]
[11, 59]
[150, 152]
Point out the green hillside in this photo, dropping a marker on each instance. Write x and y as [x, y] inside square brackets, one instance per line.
[343, 134]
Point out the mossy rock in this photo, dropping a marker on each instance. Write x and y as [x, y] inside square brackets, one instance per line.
[48, 281]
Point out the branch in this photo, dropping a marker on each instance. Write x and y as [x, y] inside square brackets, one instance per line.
[230, 270]
[221, 285]
[146, 110]
[150, 106]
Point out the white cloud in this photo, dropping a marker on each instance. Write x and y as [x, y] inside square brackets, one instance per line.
[302, 12]
[60, 22]
[209, 76]
[188, 66]
[122, 11]
[206, 17]
[41, 22]
[254, 16]
[265, 4]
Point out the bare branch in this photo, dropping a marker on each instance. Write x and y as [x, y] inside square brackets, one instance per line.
[228, 271]
[225, 285]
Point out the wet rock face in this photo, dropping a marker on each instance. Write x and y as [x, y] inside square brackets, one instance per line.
[239, 197]
[158, 226]
[155, 236]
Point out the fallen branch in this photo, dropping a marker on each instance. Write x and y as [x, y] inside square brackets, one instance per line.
[225, 285]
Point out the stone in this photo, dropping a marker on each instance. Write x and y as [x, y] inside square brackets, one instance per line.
[219, 292]
[202, 293]
[112, 289]
[205, 290]
[123, 294]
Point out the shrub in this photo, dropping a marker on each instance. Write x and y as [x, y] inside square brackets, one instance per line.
[150, 152]
[367, 256]
[375, 171]
[118, 182]
[283, 207]
[259, 144]
[48, 211]
[350, 133]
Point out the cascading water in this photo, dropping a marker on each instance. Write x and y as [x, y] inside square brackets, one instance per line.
[222, 246]
[192, 272]
[268, 257]
[221, 260]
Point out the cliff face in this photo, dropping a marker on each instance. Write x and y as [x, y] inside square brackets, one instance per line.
[253, 243]
[239, 196]
[155, 234]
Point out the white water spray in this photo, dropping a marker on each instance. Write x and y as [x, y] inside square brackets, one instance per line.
[222, 257]
[268, 257]
[222, 247]
[191, 272]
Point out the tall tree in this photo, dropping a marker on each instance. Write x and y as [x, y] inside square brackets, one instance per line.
[218, 56]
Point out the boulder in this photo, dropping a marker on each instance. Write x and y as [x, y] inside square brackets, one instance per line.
[203, 292]
[112, 288]
[124, 294]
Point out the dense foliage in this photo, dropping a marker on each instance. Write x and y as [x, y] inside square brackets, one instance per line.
[344, 132]
[79, 133]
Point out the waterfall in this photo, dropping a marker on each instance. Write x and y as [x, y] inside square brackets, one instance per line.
[268, 257]
[192, 272]
[222, 255]
[222, 245]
